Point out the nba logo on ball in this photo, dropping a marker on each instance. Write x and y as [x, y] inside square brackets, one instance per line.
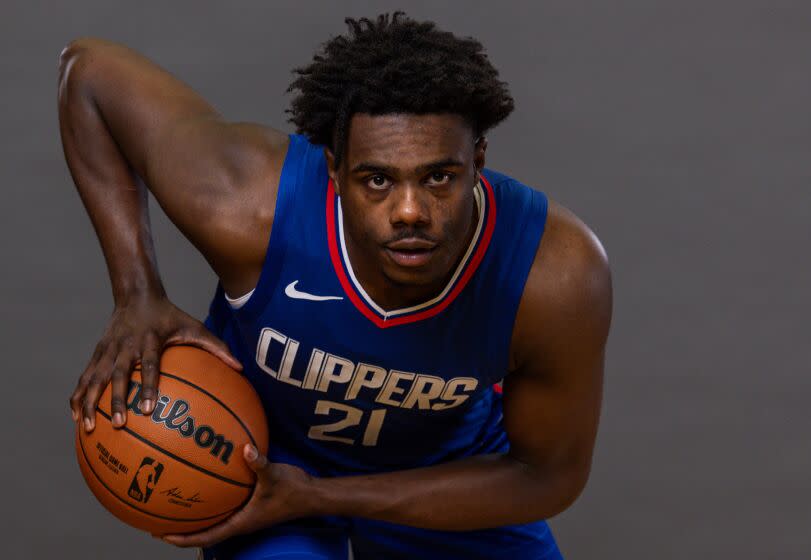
[145, 479]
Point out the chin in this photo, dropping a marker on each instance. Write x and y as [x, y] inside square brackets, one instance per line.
[410, 277]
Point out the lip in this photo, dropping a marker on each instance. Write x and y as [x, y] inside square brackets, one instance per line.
[411, 253]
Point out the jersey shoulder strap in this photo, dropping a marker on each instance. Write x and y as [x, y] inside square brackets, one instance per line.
[521, 213]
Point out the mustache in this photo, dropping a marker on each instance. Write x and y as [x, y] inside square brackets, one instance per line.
[411, 234]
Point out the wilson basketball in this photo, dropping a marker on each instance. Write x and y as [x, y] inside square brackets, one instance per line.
[179, 469]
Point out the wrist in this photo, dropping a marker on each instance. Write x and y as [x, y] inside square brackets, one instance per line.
[321, 498]
[351, 496]
[137, 288]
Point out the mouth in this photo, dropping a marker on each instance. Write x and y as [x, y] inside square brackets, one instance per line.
[411, 253]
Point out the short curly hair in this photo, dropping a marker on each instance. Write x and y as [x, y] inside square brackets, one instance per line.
[395, 65]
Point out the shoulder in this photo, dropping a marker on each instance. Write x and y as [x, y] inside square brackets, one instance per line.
[249, 153]
[567, 298]
[241, 216]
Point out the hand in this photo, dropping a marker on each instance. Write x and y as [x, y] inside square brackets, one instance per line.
[138, 330]
[279, 495]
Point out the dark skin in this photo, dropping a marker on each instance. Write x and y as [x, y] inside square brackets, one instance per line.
[403, 177]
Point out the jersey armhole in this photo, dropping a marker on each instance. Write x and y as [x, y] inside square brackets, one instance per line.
[238, 302]
[251, 303]
[523, 258]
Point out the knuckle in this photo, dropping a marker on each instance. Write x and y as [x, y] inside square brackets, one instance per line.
[117, 403]
[96, 381]
[127, 342]
[99, 378]
[181, 333]
[149, 391]
[150, 364]
[151, 337]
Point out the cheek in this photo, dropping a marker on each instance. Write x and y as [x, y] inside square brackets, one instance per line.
[457, 220]
[365, 225]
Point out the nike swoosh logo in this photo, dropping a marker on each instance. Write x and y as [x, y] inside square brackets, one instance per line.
[291, 292]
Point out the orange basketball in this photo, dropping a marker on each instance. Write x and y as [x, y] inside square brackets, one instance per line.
[179, 469]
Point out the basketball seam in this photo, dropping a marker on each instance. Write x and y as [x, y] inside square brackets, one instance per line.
[175, 457]
[225, 406]
[123, 501]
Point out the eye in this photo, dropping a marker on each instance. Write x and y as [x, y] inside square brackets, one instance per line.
[438, 178]
[378, 182]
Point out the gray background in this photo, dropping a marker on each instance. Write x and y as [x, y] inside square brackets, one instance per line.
[679, 131]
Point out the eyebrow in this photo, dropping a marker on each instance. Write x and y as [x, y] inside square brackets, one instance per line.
[371, 167]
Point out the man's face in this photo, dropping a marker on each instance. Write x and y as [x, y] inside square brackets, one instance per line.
[406, 187]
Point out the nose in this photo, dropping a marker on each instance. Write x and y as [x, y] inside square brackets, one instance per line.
[409, 207]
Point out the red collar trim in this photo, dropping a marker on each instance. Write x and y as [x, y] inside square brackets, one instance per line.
[358, 301]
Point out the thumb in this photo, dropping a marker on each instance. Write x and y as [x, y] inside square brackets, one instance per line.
[255, 460]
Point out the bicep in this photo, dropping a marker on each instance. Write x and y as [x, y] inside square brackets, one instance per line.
[552, 400]
[217, 182]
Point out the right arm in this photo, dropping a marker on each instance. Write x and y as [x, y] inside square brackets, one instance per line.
[123, 118]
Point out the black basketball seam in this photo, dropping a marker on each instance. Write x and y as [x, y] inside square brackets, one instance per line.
[122, 500]
[225, 406]
[175, 457]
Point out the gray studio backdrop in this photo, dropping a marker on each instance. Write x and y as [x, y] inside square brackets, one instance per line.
[678, 130]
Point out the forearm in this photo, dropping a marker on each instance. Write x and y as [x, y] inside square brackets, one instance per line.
[114, 199]
[473, 493]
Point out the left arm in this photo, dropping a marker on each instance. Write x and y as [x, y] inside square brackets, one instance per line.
[551, 410]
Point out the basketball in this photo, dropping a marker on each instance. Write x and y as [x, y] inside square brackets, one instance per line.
[179, 469]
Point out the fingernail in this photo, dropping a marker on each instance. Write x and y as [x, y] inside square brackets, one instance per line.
[74, 414]
[88, 424]
[146, 405]
[118, 419]
[251, 453]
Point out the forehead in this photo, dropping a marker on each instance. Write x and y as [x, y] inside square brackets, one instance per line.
[403, 140]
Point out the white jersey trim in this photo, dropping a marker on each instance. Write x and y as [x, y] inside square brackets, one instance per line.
[236, 303]
[478, 195]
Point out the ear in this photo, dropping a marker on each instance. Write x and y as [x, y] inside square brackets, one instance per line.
[478, 155]
[331, 170]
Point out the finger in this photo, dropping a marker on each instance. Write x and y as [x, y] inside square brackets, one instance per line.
[255, 460]
[95, 387]
[120, 384]
[218, 533]
[202, 338]
[150, 358]
[77, 397]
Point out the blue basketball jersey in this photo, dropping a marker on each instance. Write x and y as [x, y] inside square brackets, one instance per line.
[351, 388]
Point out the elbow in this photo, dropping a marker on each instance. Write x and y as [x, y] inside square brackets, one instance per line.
[74, 52]
[73, 65]
[572, 482]
[67, 61]
[556, 490]
[574, 487]
[71, 51]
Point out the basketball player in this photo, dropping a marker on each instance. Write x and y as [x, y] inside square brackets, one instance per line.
[376, 282]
